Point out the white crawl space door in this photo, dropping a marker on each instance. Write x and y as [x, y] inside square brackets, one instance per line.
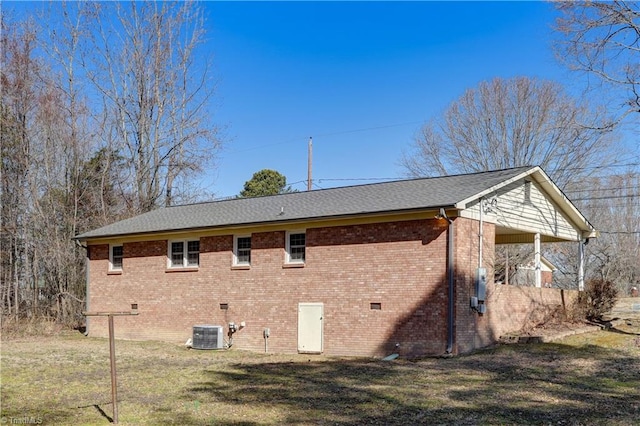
[310, 316]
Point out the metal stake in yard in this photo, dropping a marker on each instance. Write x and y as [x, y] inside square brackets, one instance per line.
[112, 352]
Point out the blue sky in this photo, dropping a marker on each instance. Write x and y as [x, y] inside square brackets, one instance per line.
[358, 77]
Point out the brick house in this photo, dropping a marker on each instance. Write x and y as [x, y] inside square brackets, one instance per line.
[365, 270]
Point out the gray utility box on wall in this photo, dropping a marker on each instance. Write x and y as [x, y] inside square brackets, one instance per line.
[207, 337]
[481, 283]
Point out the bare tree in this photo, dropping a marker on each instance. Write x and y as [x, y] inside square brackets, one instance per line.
[157, 99]
[602, 39]
[613, 204]
[19, 90]
[509, 123]
[40, 156]
[104, 111]
[517, 122]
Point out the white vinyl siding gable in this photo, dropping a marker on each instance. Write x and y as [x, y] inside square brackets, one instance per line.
[524, 207]
[528, 209]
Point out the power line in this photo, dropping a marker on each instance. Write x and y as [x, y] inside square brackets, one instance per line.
[607, 197]
[622, 188]
[568, 192]
[601, 167]
[359, 179]
[341, 132]
[388, 126]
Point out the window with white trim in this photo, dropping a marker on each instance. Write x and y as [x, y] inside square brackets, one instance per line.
[242, 250]
[295, 247]
[184, 254]
[116, 255]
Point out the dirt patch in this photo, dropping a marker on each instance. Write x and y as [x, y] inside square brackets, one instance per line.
[551, 332]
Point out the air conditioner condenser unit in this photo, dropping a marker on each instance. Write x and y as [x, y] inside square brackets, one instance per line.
[207, 337]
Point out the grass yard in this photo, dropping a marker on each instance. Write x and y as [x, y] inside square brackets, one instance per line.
[591, 379]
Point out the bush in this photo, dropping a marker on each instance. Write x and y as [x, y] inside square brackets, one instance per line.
[599, 297]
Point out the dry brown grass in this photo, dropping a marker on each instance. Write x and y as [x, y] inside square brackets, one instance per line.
[63, 379]
[12, 328]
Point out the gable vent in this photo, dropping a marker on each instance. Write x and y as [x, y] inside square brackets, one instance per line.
[207, 337]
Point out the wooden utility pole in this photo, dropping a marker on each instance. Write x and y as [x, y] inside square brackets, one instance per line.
[309, 164]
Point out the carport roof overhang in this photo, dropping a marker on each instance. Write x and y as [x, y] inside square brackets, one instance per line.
[506, 235]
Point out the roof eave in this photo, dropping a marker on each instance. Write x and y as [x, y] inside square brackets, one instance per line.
[296, 221]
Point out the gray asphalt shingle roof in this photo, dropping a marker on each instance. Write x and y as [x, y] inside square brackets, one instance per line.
[403, 195]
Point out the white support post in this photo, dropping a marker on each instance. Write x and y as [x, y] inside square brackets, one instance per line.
[538, 266]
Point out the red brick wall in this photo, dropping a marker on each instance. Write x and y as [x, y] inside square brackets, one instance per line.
[469, 330]
[509, 308]
[516, 308]
[400, 265]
